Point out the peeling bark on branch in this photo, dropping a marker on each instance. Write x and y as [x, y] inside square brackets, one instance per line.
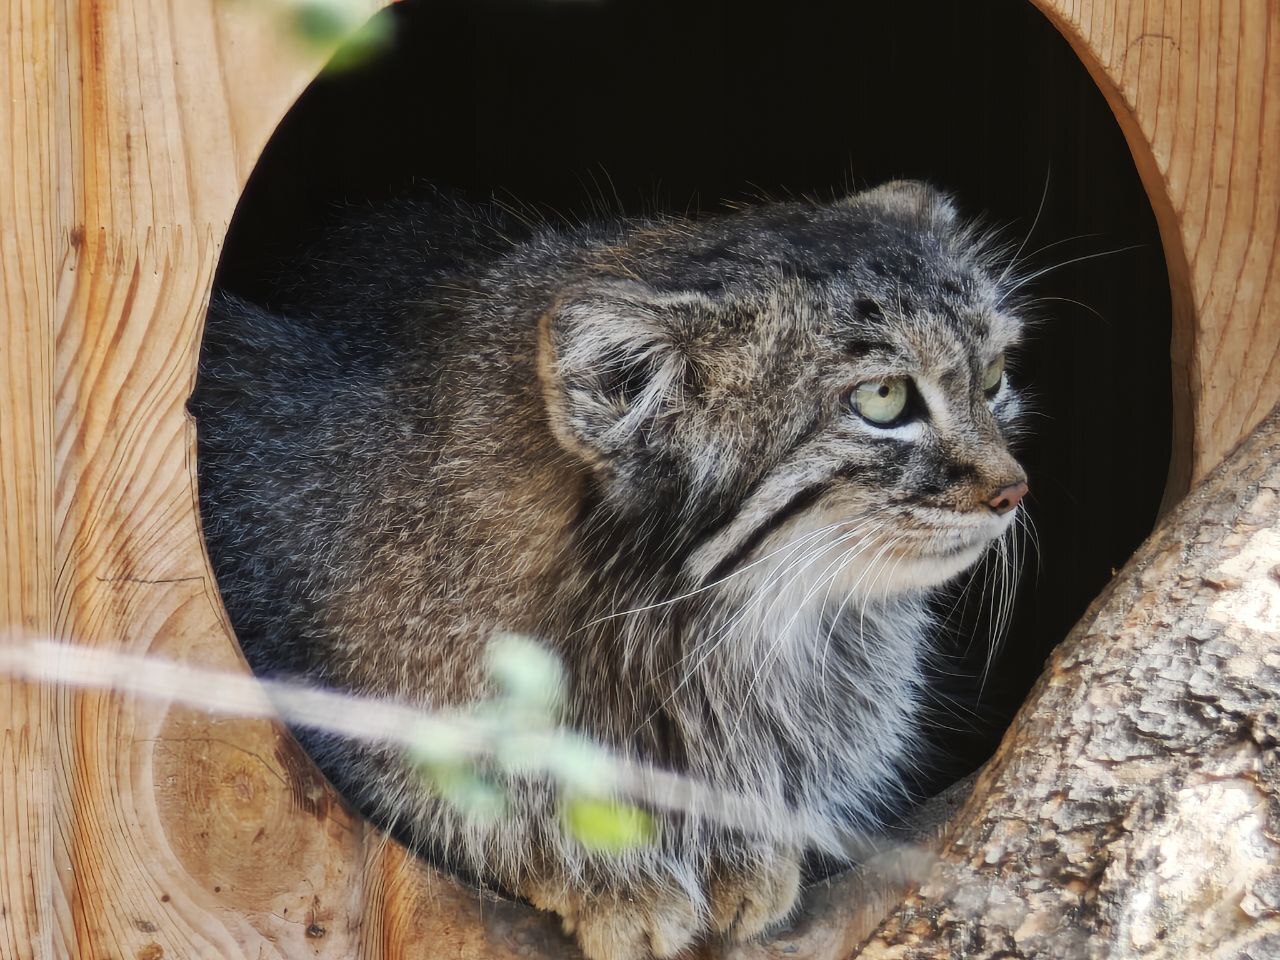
[1133, 809]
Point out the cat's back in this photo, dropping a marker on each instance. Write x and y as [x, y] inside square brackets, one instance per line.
[377, 267]
[350, 320]
[324, 417]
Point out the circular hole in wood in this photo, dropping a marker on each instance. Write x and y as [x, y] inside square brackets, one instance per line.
[673, 105]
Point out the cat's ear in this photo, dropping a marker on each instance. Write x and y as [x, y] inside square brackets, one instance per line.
[611, 369]
[920, 203]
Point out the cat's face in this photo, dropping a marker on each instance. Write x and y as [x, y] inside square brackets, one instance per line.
[817, 393]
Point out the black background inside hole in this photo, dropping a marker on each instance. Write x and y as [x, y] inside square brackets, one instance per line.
[679, 104]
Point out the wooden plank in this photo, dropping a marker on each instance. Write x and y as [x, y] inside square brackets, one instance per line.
[130, 129]
[1196, 88]
[129, 828]
[32, 897]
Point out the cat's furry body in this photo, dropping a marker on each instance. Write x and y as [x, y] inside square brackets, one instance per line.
[558, 432]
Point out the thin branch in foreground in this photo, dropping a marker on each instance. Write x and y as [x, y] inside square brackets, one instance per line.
[458, 735]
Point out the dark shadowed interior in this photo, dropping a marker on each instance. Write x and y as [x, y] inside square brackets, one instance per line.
[579, 105]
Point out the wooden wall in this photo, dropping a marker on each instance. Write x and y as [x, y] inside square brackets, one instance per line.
[1196, 89]
[129, 129]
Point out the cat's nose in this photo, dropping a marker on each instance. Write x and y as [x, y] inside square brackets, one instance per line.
[1006, 498]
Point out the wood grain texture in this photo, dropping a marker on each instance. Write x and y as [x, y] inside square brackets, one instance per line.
[1195, 85]
[129, 129]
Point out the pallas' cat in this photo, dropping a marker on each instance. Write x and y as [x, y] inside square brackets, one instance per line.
[719, 465]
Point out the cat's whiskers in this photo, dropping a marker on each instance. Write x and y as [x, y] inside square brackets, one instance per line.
[840, 563]
[800, 565]
[1004, 584]
[1028, 526]
[789, 546]
[779, 638]
[1036, 274]
[1056, 243]
[804, 602]
[831, 628]
[866, 595]
[788, 564]
[803, 563]
[1079, 303]
[833, 622]
[865, 540]
[960, 602]
[708, 645]
[986, 601]
[1004, 597]
[1044, 195]
[1010, 554]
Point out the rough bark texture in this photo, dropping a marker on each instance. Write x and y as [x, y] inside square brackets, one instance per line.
[1134, 807]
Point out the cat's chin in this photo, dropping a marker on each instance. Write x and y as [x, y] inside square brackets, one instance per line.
[915, 569]
[928, 571]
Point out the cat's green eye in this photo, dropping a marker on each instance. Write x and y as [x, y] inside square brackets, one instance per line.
[881, 401]
[992, 376]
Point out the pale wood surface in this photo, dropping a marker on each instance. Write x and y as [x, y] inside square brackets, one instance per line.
[1196, 89]
[129, 128]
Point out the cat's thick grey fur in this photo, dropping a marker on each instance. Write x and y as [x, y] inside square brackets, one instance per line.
[557, 432]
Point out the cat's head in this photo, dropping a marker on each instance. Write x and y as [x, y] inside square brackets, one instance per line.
[797, 382]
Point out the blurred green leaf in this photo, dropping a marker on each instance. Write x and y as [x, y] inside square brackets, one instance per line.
[342, 27]
[363, 44]
[322, 22]
[460, 785]
[527, 673]
[608, 826]
[515, 733]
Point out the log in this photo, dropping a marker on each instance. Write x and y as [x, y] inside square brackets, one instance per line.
[1133, 809]
[129, 128]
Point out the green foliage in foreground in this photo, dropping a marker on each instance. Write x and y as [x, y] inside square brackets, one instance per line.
[517, 732]
[337, 25]
[606, 825]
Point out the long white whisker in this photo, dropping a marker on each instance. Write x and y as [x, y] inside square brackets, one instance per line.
[822, 580]
[862, 617]
[781, 635]
[808, 596]
[1044, 195]
[1057, 243]
[799, 565]
[790, 545]
[707, 646]
[1023, 281]
[833, 622]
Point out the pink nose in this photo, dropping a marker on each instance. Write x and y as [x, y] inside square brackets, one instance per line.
[1006, 498]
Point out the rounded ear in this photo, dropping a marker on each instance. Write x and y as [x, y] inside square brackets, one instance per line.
[914, 200]
[611, 371]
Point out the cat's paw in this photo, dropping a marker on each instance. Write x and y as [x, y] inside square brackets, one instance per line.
[649, 922]
[746, 899]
